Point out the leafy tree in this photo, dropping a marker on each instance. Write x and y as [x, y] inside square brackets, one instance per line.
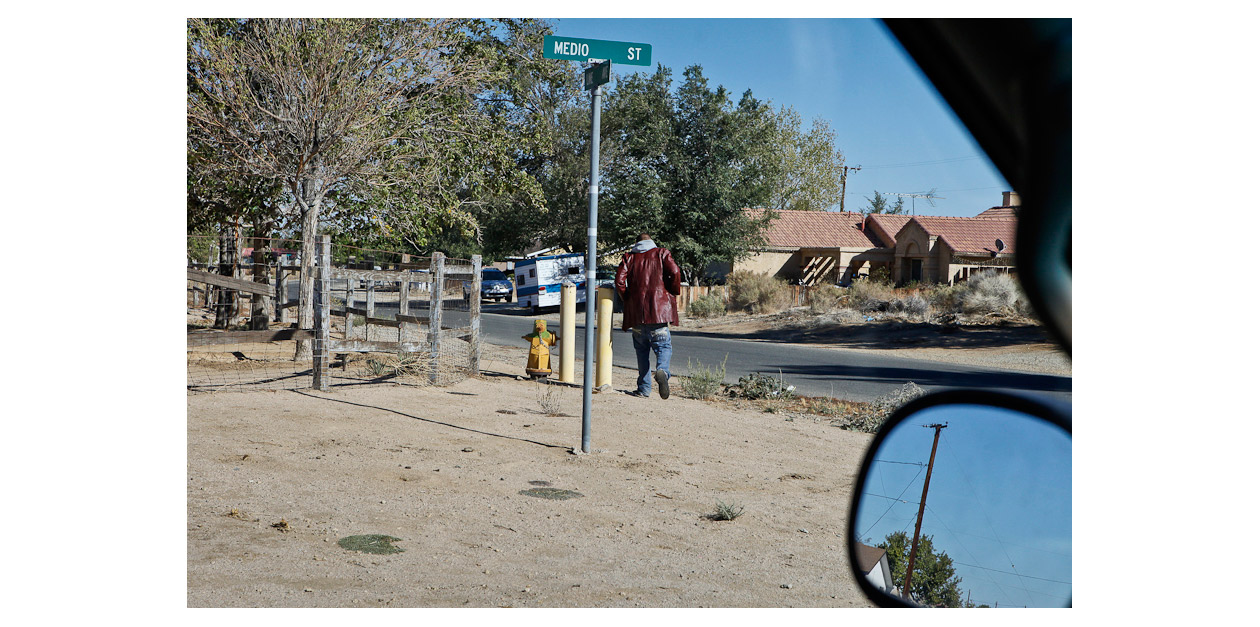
[679, 163]
[704, 219]
[379, 121]
[643, 151]
[763, 138]
[879, 204]
[812, 165]
[934, 582]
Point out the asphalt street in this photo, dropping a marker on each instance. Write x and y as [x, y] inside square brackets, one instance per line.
[814, 371]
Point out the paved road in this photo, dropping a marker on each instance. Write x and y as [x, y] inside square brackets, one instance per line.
[842, 374]
[814, 371]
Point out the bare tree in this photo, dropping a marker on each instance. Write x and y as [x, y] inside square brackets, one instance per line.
[326, 106]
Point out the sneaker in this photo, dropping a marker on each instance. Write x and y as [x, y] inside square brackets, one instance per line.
[637, 394]
[662, 383]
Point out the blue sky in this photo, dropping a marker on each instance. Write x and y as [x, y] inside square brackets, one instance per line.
[1010, 550]
[850, 72]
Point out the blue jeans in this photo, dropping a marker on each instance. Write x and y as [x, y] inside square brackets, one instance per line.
[654, 337]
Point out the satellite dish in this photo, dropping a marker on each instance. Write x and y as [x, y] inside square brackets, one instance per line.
[1001, 245]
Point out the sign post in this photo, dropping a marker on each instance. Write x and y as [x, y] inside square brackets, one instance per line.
[600, 55]
[596, 75]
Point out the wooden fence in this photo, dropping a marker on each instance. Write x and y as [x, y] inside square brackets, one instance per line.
[438, 276]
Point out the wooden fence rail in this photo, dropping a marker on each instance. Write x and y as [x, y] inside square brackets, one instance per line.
[440, 274]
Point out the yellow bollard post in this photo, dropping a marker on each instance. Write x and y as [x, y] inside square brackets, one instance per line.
[603, 348]
[568, 339]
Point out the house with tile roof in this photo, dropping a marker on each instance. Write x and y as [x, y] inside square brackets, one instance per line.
[940, 249]
[820, 247]
[1008, 209]
[813, 247]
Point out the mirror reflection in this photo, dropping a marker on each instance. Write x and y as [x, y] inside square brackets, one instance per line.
[993, 527]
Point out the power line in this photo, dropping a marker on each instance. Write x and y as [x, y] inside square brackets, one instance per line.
[891, 498]
[903, 491]
[950, 449]
[974, 189]
[1022, 546]
[942, 522]
[1013, 574]
[919, 163]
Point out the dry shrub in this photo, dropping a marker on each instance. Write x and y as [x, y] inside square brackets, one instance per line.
[992, 292]
[824, 298]
[726, 511]
[707, 306]
[944, 298]
[757, 292]
[550, 399]
[704, 382]
[869, 417]
[870, 295]
[913, 305]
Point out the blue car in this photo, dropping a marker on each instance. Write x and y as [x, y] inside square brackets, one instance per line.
[494, 285]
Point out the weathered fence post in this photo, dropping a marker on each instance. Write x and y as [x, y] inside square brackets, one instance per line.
[281, 292]
[349, 305]
[258, 317]
[404, 297]
[225, 299]
[371, 310]
[437, 272]
[323, 302]
[474, 319]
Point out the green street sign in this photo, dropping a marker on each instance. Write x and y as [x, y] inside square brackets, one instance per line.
[597, 75]
[575, 49]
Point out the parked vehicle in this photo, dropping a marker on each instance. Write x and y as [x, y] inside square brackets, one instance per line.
[538, 280]
[605, 276]
[495, 285]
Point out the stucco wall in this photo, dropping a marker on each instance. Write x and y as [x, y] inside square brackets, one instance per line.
[784, 264]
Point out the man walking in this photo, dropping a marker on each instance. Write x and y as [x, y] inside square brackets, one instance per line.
[647, 281]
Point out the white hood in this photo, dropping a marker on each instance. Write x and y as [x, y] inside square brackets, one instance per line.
[643, 246]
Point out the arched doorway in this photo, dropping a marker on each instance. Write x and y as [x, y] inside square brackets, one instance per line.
[912, 264]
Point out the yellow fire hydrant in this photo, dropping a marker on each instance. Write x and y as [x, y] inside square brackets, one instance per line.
[539, 364]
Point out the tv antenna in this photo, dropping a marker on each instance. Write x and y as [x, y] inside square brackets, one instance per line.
[929, 196]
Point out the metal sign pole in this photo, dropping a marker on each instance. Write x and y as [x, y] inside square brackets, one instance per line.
[588, 357]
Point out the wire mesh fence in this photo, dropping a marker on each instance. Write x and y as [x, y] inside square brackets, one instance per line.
[374, 316]
[410, 322]
[241, 301]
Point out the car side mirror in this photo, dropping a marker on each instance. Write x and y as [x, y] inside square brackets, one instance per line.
[975, 489]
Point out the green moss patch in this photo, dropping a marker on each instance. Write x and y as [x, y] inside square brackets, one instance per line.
[371, 543]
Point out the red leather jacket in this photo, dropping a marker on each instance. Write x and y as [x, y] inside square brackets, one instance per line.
[647, 282]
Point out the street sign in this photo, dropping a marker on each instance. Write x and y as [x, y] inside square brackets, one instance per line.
[597, 75]
[575, 49]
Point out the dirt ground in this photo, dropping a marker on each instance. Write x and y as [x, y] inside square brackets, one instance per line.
[277, 478]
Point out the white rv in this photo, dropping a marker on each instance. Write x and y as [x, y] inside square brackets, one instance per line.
[538, 280]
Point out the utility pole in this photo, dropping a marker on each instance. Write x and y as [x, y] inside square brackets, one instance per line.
[844, 176]
[918, 524]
